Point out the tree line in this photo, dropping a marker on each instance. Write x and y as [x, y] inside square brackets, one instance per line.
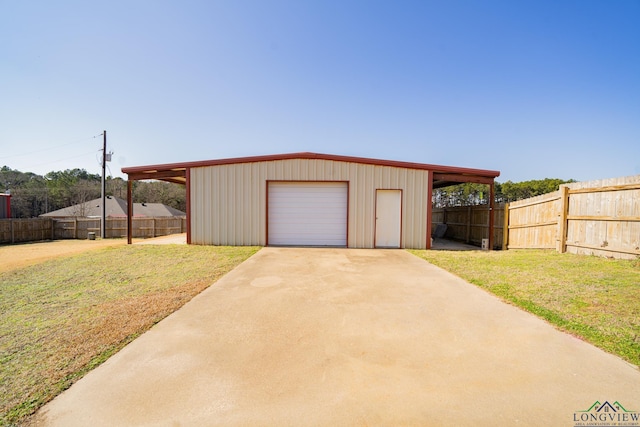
[33, 195]
[469, 194]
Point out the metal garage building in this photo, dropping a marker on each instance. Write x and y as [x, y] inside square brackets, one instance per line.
[310, 199]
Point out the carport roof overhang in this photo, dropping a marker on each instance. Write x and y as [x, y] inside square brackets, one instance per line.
[443, 176]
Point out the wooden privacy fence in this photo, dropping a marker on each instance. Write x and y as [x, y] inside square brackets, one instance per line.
[25, 230]
[29, 230]
[470, 224]
[533, 223]
[594, 217]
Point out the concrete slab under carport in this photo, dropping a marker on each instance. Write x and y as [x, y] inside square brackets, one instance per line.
[440, 244]
[303, 336]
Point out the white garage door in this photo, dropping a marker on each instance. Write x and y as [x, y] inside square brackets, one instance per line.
[307, 213]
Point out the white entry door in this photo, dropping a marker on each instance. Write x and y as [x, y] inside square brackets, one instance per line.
[388, 218]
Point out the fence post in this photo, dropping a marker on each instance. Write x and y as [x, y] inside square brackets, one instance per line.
[562, 219]
[505, 228]
[13, 238]
[468, 234]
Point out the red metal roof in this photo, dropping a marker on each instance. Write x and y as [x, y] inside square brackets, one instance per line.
[176, 172]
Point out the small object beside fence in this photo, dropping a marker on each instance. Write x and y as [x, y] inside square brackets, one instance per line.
[485, 245]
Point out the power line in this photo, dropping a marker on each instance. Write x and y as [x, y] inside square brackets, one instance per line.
[62, 160]
[50, 148]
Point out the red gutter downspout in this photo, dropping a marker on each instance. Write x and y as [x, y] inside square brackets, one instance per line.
[188, 190]
[429, 208]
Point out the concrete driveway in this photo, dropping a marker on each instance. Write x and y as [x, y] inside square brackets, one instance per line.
[346, 337]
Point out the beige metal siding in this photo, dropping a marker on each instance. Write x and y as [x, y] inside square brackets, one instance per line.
[228, 202]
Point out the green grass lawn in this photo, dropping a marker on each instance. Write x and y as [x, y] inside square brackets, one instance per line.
[61, 318]
[596, 299]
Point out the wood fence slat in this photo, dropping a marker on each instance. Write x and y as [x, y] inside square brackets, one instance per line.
[524, 204]
[606, 189]
[505, 227]
[604, 248]
[537, 224]
[603, 218]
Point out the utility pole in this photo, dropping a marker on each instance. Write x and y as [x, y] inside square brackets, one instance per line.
[104, 186]
[106, 157]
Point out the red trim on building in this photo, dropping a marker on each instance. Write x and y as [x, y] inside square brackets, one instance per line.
[266, 213]
[429, 209]
[151, 169]
[188, 200]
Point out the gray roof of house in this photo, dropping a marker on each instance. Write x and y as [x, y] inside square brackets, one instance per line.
[115, 207]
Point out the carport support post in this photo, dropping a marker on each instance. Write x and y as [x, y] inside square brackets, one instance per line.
[429, 209]
[187, 184]
[492, 196]
[129, 210]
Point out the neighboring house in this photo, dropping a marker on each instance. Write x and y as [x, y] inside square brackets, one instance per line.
[115, 208]
[310, 199]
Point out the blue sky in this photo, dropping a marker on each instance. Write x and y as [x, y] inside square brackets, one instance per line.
[534, 89]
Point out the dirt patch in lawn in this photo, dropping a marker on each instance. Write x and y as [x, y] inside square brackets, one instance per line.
[25, 254]
[75, 306]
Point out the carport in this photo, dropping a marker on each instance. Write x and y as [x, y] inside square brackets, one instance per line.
[310, 199]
